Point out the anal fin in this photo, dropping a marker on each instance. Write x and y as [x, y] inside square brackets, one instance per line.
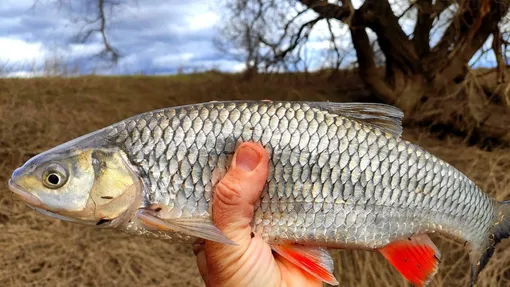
[315, 260]
[416, 258]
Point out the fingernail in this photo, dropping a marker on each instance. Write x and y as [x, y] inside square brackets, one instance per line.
[247, 158]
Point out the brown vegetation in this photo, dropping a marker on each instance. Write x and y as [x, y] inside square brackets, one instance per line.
[37, 114]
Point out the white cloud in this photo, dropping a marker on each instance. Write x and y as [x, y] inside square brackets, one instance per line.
[83, 50]
[224, 65]
[10, 5]
[238, 67]
[173, 60]
[22, 74]
[203, 20]
[319, 45]
[19, 51]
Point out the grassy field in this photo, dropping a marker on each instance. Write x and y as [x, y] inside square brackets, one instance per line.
[37, 114]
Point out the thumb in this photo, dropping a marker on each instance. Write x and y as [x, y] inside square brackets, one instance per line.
[233, 201]
[238, 190]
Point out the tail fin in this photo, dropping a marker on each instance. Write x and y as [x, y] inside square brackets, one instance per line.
[499, 232]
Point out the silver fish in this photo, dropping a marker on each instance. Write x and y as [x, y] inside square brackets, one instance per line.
[340, 176]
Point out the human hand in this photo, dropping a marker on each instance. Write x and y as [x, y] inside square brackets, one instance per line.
[251, 262]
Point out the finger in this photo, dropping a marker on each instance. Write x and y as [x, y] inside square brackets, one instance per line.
[239, 189]
[295, 276]
[198, 250]
[233, 202]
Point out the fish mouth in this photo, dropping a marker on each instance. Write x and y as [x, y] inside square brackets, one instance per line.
[35, 203]
[27, 197]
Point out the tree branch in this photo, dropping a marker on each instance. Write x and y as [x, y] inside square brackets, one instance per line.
[396, 46]
[337, 52]
[294, 42]
[328, 10]
[98, 23]
[405, 11]
[424, 20]
[440, 6]
[378, 16]
[475, 21]
[496, 48]
[108, 51]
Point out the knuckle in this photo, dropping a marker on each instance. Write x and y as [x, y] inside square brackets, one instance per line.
[226, 191]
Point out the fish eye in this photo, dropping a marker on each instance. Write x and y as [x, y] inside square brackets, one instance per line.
[54, 176]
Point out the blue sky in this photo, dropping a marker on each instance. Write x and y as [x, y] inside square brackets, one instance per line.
[153, 37]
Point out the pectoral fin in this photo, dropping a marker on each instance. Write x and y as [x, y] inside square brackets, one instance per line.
[416, 258]
[198, 227]
[315, 260]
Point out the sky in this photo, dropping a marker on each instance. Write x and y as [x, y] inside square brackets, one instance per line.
[152, 36]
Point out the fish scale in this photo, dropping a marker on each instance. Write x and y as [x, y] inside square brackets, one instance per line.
[331, 179]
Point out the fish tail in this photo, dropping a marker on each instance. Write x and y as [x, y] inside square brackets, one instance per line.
[500, 231]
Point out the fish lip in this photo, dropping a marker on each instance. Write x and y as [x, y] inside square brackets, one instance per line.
[23, 195]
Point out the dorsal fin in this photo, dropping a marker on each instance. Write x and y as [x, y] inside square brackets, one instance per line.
[385, 117]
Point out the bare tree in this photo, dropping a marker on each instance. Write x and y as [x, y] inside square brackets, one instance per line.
[420, 66]
[238, 36]
[96, 15]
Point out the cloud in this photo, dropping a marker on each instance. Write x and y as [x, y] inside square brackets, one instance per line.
[173, 60]
[16, 50]
[152, 36]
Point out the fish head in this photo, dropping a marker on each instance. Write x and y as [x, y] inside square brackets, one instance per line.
[84, 183]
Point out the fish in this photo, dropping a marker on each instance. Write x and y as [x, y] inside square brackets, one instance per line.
[340, 177]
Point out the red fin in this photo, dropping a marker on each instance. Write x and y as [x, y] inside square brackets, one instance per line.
[315, 260]
[415, 258]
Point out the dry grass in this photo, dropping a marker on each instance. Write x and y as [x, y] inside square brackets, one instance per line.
[37, 114]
